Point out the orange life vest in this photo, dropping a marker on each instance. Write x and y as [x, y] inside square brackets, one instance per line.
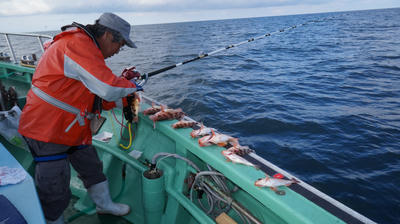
[72, 71]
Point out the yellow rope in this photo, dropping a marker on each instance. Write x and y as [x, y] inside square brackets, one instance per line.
[130, 138]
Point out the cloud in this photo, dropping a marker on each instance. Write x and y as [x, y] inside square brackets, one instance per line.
[34, 7]
[23, 7]
[29, 7]
[42, 15]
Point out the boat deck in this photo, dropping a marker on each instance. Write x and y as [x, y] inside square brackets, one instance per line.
[300, 204]
[72, 213]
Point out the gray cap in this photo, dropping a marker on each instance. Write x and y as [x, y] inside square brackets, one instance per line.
[116, 23]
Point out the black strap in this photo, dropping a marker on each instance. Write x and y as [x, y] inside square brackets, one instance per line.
[97, 105]
[80, 26]
[50, 158]
[58, 156]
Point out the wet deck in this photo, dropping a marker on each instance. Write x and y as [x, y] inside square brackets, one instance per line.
[70, 212]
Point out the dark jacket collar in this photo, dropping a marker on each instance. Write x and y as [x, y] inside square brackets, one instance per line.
[80, 26]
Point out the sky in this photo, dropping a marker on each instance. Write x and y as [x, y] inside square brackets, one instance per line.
[50, 15]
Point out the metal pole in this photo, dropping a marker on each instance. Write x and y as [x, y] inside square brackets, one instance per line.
[11, 49]
[26, 35]
[40, 43]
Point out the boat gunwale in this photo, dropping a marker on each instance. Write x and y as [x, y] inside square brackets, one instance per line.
[323, 200]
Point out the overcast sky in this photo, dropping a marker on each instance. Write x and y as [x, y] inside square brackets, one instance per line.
[44, 15]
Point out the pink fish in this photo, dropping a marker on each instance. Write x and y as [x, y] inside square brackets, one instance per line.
[217, 139]
[233, 157]
[274, 183]
[203, 131]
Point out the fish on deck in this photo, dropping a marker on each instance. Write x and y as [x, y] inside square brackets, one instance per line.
[184, 124]
[217, 139]
[274, 183]
[166, 114]
[233, 157]
[240, 150]
[203, 131]
[152, 110]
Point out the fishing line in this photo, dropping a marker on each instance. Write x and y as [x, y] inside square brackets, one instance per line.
[130, 137]
[145, 76]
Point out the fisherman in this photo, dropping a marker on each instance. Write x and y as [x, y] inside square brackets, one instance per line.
[70, 87]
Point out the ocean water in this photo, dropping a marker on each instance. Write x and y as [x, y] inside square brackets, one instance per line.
[321, 101]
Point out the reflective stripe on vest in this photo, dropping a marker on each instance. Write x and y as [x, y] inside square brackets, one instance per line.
[63, 106]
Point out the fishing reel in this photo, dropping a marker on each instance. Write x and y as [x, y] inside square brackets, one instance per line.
[133, 75]
[143, 79]
[4, 57]
[28, 60]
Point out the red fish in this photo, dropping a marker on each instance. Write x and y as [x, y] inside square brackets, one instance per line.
[233, 157]
[201, 132]
[152, 110]
[217, 139]
[167, 114]
[135, 107]
[184, 124]
[274, 183]
[240, 150]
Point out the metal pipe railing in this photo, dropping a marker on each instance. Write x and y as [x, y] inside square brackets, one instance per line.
[39, 37]
[11, 48]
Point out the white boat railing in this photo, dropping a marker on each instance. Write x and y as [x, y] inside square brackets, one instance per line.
[38, 36]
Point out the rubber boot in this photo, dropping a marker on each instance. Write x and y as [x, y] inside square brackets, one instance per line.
[100, 194]
[59, 220]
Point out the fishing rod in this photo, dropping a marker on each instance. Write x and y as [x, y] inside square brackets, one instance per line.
[146, 76]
